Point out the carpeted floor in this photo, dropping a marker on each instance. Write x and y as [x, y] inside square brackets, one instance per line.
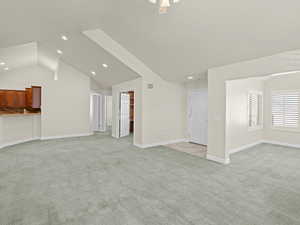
[98, 180]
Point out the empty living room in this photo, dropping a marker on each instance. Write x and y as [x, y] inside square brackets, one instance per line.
[149, 112]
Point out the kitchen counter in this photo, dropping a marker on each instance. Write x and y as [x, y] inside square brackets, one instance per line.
[5, 113]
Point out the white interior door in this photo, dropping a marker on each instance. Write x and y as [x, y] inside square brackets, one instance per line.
[124, 114]
[197, 116]
[98, 115]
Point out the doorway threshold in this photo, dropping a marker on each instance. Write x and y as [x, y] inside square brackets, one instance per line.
[190, 148]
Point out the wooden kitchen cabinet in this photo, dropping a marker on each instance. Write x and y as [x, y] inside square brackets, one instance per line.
[2, 99]
[12, 99]
[33, 97]
[18, 100]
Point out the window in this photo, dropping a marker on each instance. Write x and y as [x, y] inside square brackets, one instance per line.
[255, 109]
[285, 109]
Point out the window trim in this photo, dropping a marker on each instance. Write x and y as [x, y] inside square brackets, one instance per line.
[283, 129]
[261, 126]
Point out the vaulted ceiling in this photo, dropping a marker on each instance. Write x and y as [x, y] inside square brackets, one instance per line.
[192, 37]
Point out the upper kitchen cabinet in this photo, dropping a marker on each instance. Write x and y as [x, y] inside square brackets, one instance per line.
[18, 101]
[12, 99]
[33, 98]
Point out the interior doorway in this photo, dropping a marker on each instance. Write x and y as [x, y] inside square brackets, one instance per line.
[198, 117]
[196, 144]
[98, 112]
[126, 109]
[109, 114]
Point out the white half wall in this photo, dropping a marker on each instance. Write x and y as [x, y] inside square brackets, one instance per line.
[17, 128]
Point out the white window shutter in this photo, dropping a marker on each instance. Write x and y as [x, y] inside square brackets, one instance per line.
[285, 109]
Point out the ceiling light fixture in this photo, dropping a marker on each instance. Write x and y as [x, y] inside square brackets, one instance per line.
[65, 38]
[190, 77]
[6, 68]
[59, 51]
[104, 65]
[163, 4]
[2, 63]
[93, 73]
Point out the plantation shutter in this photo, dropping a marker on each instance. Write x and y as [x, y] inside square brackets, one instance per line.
[285, 109]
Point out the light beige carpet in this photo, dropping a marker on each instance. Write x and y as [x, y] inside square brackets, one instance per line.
[190, 148]
[99, 180]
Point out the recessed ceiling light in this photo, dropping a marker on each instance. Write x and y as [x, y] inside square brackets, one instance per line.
[93, 72]
[2, 63]
[104, 65]
[190, 77]
[65, 38]
[6, 68]
[59, 51]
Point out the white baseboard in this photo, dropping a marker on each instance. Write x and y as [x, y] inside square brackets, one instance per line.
[18, 142]
[161, 143]
[281, 144]
[43, 138]
[138, 145]
[218, 159]
[244, 147]
[67, 136]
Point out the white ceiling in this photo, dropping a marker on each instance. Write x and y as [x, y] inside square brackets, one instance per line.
[18, 56]
[86, 56]
[194, 36]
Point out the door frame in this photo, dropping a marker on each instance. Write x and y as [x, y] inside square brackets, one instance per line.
[120, 103]
[118, 112]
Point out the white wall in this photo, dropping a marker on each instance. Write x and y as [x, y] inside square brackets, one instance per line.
[286, 82]
[237, 124]
[65, 102]
[66, 109]
[201, 84]
[164, 112]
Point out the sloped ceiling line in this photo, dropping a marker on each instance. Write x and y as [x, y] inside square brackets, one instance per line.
[121, 53]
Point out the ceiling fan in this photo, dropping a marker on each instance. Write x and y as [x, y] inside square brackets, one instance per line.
[163, 4]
